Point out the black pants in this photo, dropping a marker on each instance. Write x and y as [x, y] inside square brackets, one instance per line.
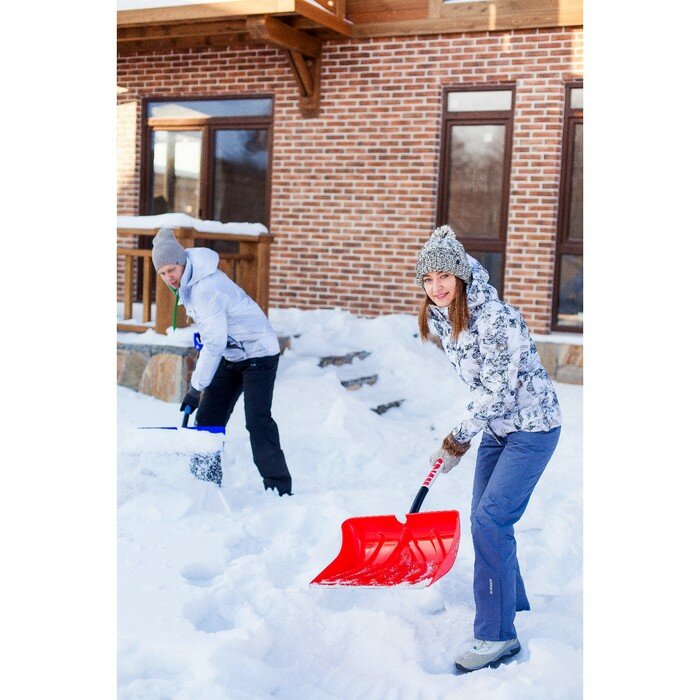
[254, 379]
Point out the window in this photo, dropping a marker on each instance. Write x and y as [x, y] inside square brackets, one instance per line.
[568, 277]
[475, 172]
[208, 158]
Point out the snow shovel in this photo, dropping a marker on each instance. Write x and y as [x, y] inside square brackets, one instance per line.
[378, 550]
[203, 443]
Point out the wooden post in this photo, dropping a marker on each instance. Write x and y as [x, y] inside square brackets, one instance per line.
[185, 236]
[246, 277]
[147, 286]
[128, 287]
[164, 306]
[228, 266]
[262, 265]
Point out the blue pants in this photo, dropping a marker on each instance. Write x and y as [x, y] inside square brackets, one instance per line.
[507, 470]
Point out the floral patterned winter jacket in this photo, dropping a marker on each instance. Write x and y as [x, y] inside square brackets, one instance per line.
[509, 389]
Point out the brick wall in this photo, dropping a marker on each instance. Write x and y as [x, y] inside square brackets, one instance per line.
[354, 191]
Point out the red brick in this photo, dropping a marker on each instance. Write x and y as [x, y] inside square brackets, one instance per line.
[356, 188]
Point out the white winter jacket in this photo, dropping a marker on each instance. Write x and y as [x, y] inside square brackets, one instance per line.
[230, 323]
[509, 389]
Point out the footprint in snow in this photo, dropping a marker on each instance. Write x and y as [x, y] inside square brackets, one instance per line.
[201, 574]
[207, 615]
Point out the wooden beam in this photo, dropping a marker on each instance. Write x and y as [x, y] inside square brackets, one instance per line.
[184, 42]
[133, 328]
[171, 31]
[273, 31]
[449, 26]
[415, 17]
[381, 11]
[320, 16]
[203, 12]
[207, 12]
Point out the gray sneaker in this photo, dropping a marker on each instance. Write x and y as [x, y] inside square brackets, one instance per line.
[483, 653]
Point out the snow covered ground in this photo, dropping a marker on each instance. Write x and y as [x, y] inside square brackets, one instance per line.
[213, 597]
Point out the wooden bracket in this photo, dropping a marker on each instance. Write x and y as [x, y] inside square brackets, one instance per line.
[303, 52]
[307, 73]
[271, 30]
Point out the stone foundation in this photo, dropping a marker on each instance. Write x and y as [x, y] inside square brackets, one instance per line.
[164, 371]
[563, 362]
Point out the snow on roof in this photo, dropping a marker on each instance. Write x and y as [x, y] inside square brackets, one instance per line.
[183, 220]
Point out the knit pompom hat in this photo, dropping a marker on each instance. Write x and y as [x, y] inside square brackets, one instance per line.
[167, 250]
[443, 253]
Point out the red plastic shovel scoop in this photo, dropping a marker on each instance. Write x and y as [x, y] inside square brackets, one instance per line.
[378, 550]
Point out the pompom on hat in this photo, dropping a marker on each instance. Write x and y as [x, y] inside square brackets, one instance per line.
[443, 253]
[167, 250]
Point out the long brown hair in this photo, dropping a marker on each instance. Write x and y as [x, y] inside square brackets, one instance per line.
[457, 312]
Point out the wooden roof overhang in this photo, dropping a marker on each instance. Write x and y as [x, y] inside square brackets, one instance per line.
[238, 22]
[298, 27]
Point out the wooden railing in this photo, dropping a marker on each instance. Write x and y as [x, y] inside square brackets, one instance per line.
[249, 268]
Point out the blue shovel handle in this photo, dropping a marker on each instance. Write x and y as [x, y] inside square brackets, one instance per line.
[186, 417]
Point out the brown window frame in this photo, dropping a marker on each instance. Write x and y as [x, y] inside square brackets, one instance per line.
[209, 126]
[476, 118]
[572, 117]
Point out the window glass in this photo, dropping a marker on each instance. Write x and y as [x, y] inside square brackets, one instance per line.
[570, 301]
[575, 228]
[475, 184]
[479, 101]
[240, 174]
[493, 262]
[216, 170]
[576, 98]
[183, 109]
[175, 168]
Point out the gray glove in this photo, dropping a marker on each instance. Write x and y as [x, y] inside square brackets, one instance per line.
[450, 453]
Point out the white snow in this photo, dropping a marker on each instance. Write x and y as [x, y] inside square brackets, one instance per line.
[564, 338]
[213, 591]
[184, 220]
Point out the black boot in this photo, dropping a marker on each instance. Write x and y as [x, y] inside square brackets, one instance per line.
[283, 486]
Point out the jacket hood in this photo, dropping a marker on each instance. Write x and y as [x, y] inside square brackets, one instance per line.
[201, 262]
[479, 291]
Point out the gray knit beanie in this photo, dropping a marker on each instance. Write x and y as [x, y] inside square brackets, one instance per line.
[443, 253]
[166, 249]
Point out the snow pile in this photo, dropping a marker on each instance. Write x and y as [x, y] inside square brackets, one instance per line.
[183, 220]
[214, 599]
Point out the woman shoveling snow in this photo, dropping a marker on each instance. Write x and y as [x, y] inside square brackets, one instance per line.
[513, 401]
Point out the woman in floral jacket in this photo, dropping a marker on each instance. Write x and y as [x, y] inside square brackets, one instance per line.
[512, 400]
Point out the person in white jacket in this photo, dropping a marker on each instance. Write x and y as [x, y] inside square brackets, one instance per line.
[239, 355]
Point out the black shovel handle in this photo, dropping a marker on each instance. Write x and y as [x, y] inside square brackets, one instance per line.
[186, 417]
[423, 490]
